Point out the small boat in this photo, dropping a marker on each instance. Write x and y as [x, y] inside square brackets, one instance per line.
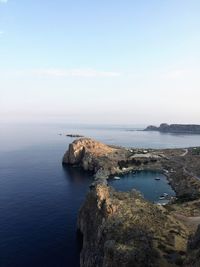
[157, 179]
[161, 197]
[117, 178]
[165, 195]
[161, 204]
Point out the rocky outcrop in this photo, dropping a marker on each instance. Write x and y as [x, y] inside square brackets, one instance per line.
[122, 229]
[92, 155]
[104, 160]
[193, 257]
[151, 128]
[175, 128]
[183, 175]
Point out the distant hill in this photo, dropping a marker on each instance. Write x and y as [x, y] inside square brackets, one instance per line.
[175, 128]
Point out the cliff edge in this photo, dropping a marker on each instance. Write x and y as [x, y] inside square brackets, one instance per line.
[122, 229]
[93, 156]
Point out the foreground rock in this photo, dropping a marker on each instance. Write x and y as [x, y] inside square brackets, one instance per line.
[175, 128]
[193, 256]
[122, 229]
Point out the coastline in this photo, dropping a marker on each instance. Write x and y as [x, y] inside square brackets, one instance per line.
[104, 206]
[107, 161]
[175, 128]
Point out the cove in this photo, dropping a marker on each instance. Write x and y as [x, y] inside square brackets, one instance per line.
[146, 183]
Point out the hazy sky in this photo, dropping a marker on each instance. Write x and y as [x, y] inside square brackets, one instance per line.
[108, 61]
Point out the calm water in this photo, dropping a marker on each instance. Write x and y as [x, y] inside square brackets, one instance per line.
[39, 199]
[145, 182]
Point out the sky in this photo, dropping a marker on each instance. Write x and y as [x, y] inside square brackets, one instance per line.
[108, 61]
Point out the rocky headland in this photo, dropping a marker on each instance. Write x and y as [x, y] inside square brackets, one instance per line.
[124, 229]
[175, 128]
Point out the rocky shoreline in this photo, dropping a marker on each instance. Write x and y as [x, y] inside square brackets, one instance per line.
[123, 229]
[175, 128]
[105, 161]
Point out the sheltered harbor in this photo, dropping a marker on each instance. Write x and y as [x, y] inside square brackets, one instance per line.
[113, 222]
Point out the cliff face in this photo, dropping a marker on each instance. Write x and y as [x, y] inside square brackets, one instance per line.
[79, 149]
[87, 153]
[104, 160]
[193, 259]
[175, 128]
[122, 229]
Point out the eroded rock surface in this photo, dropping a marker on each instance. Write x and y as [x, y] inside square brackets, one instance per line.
[106, 160]
[181, 166]
[193, 257]
[122, 229]
[91, 155]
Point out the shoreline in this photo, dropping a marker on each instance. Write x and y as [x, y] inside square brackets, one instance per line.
[99, 220]
[114, 160]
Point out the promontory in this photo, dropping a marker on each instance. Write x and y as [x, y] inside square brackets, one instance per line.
[122, 229]
[175, 128]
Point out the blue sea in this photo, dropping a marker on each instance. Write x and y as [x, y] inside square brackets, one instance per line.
[40, 199]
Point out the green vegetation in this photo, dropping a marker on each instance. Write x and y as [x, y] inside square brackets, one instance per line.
[196, 151]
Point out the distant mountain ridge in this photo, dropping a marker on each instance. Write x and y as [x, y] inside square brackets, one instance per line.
[175, 128]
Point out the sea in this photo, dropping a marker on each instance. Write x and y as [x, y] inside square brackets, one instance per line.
[40, 198]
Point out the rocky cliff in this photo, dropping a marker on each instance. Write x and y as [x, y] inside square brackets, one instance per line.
[175, 128]
[81, 148]
[93, 156]
[193, 257]
[106, 160]
[122, 229]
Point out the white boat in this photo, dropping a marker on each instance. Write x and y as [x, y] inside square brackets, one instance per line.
[161, 197]
[157, 178]
[117, 178]
[165, 195]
